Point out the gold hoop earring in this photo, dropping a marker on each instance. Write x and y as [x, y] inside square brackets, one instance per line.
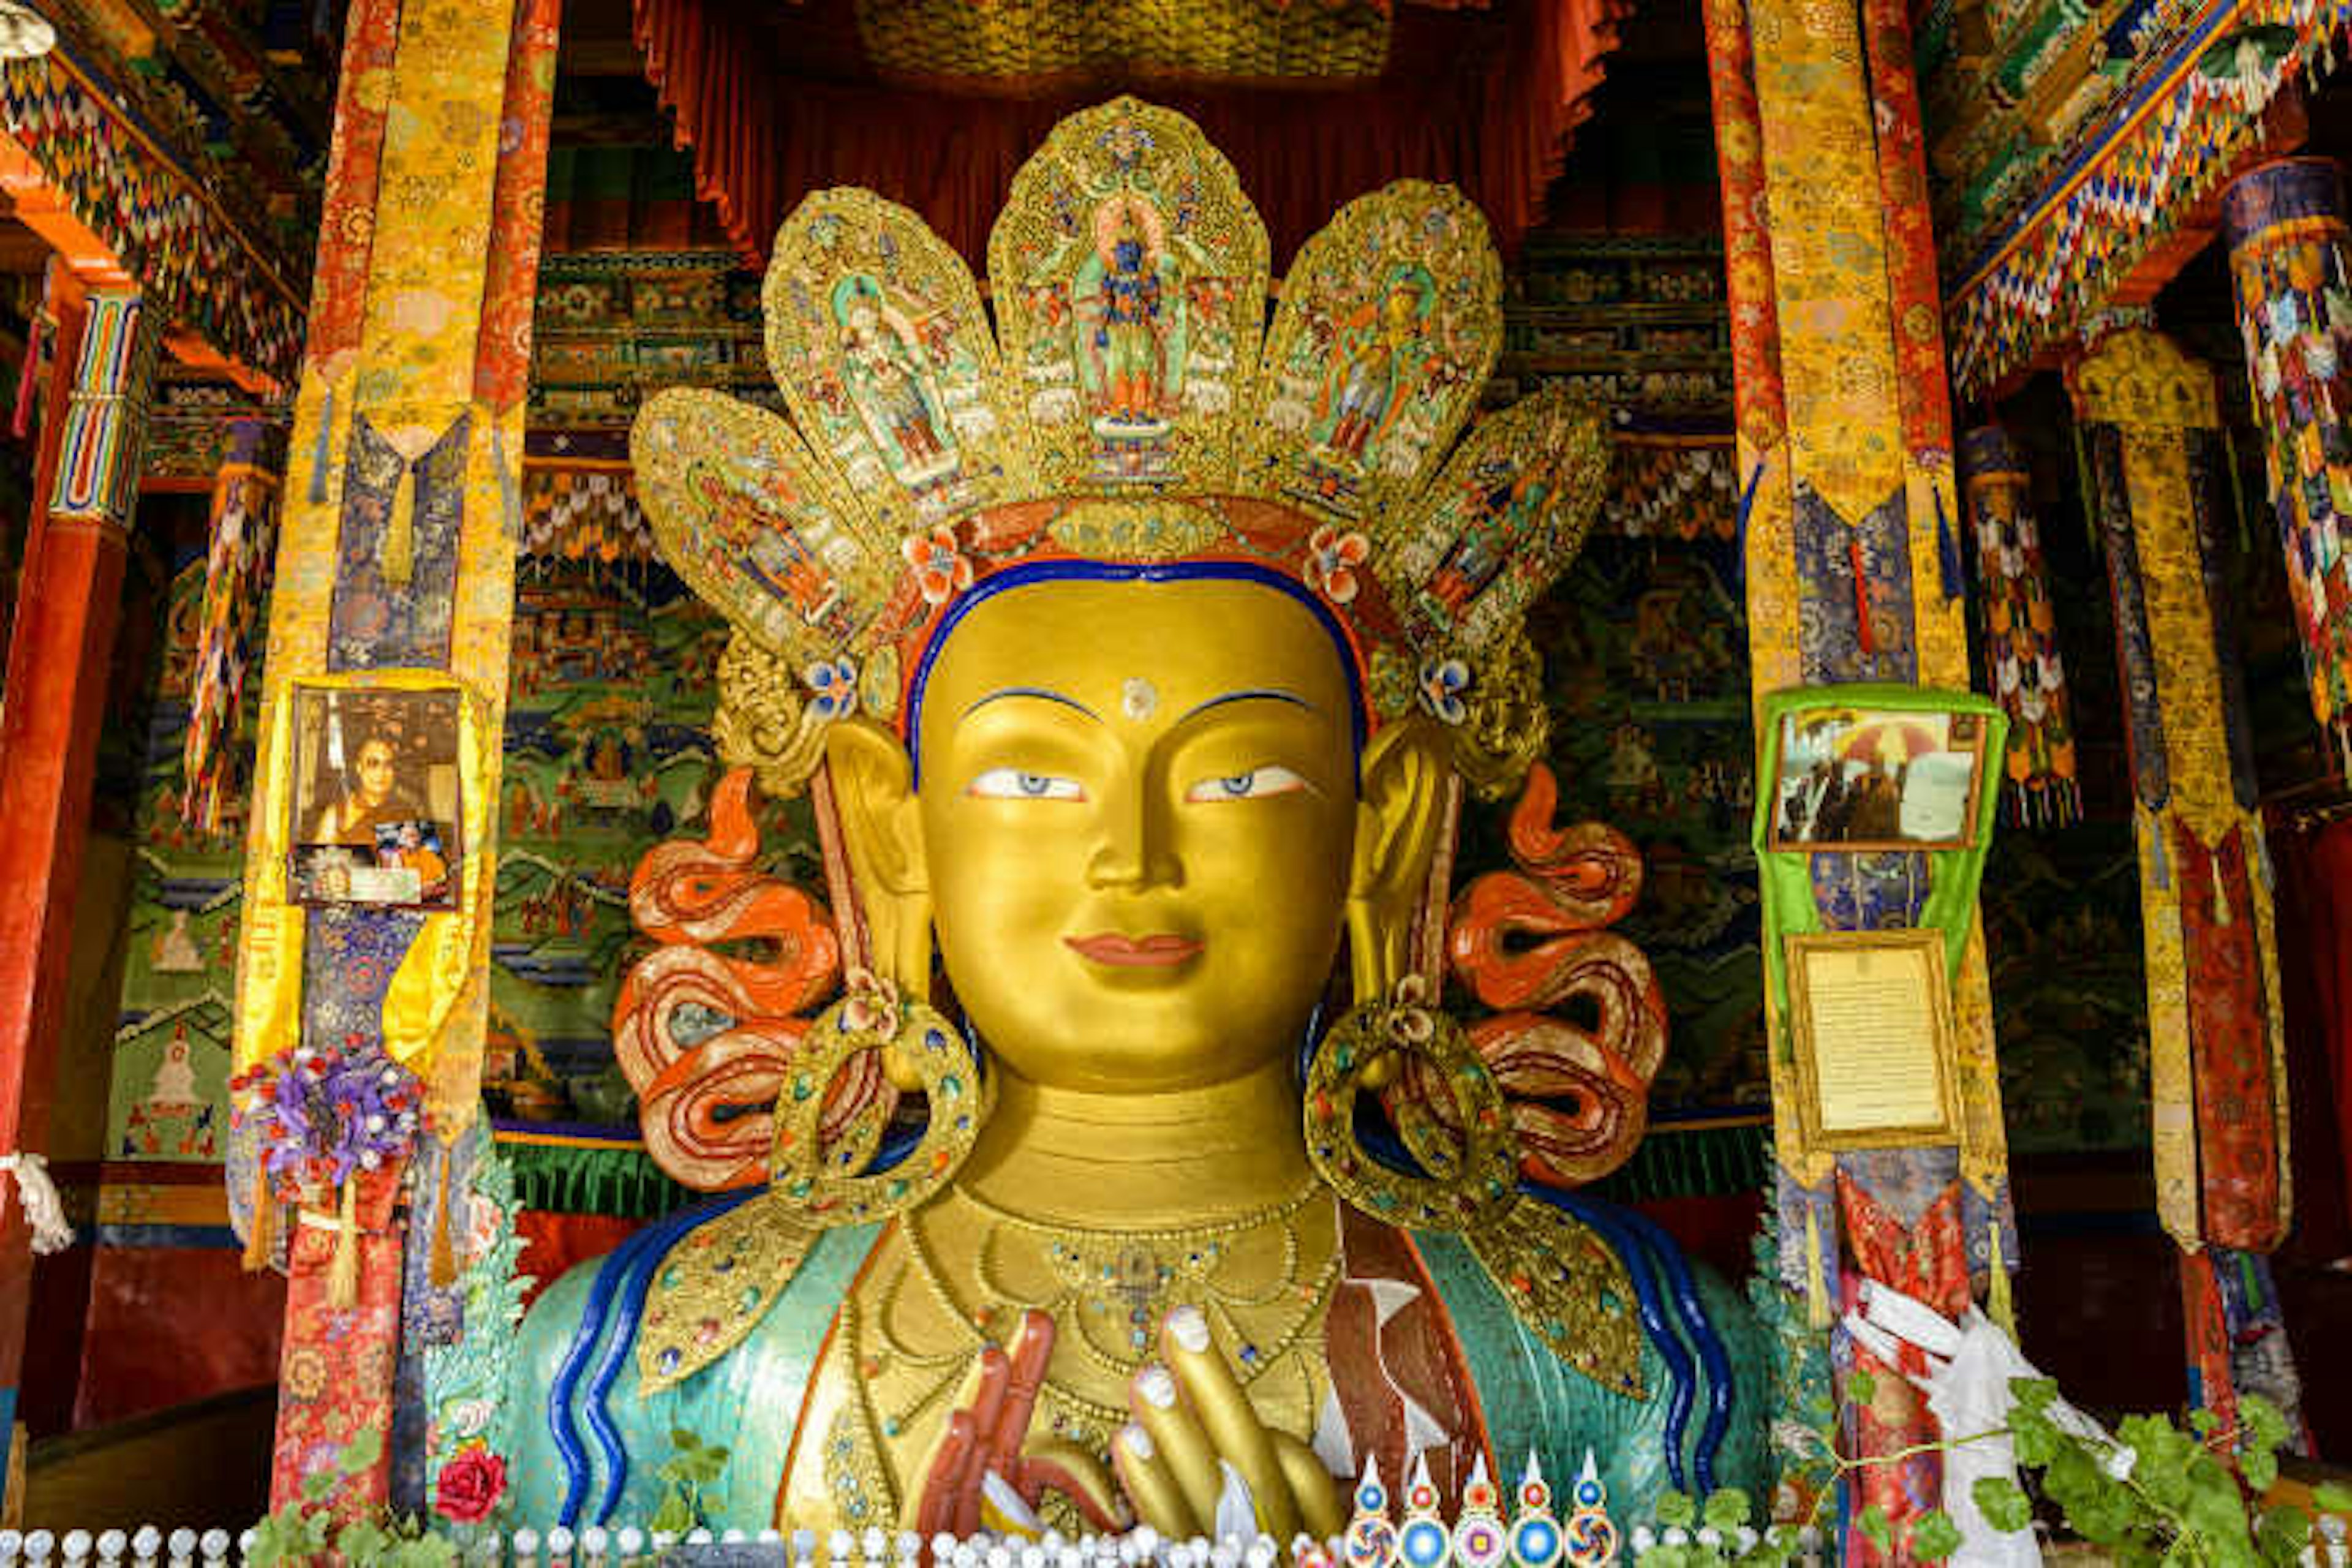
[824, 1168]
[1466, 1158]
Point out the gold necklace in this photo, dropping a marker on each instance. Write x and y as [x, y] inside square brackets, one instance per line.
[1094, 1274]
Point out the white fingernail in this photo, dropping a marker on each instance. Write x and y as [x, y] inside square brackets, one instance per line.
[1139, 1441]
[1158, 1388]
[1191, 1327]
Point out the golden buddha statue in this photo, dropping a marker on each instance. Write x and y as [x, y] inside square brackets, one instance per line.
[1089, 1197]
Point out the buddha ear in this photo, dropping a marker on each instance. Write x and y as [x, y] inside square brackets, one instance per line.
[1400, 814]
[882, 828]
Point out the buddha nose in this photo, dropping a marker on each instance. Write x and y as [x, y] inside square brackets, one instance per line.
[1134, 851]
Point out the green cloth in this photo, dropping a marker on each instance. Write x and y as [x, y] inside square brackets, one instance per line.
[1785, 877]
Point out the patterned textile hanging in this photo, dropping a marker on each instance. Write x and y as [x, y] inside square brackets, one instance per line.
[582, 510]
[2287, 238]
[2021, 642]
[236, 563]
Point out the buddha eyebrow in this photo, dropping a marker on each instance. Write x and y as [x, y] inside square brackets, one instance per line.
[1043, 693]
[1253, 694]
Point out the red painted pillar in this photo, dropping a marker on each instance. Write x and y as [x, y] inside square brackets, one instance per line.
[59, 652]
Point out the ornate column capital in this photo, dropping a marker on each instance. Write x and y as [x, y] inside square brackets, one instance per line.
[105, 425]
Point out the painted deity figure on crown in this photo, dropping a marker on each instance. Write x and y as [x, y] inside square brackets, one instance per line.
[1097, 1151]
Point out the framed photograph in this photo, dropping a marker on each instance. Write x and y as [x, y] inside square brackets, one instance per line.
[1871, 1014]
[376, 799]
[1876, 779]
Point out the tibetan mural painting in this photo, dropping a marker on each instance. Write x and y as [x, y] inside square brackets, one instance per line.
[1645, 663]
[169, 1078]
[608, 752]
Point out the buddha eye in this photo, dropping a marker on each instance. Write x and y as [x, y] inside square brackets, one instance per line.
[1270, 779]
[1012, 783]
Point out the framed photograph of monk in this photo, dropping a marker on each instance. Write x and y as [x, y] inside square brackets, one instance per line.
[1876, 779]
[376, 798]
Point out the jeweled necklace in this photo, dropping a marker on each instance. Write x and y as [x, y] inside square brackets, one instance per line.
[1116, 1285]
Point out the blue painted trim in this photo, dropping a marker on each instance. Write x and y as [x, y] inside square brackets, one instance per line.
[1603, 1218]
[1700, 1327]
[203, 1237]
[636, 1281]
[593, 1412]
[1043, 693]
[7, 1439]
[1065, 571]
[594, 1315]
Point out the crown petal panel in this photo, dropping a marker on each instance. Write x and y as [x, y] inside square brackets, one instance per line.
[1390, 319]
[1130, 279]
[877, 341]
[757, 525]
[1481, 544]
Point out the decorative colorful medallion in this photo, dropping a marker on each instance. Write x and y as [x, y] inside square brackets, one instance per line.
[1370, 1541]
[1535, 1537]
[1592, 1537]
[1389, 325]
[1424, 1542]
[1480, 1540]
[878, 342]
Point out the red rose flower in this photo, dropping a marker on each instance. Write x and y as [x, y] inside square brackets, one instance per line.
[470, 1486]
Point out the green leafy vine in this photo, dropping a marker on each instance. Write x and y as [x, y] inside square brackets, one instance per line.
[2154, 1495]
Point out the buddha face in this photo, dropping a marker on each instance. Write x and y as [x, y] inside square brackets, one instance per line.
[1138, 808]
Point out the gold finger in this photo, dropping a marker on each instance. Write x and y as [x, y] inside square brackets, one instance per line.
[1223, 1411]
[1317, 1489]
[1159, 1501]
[1184, 1448]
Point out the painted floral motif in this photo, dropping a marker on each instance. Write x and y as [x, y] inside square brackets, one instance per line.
[870, 1005]
[1443, 682]
[1332, 558]
[942, 570]
[470, 1486]
[833, 685]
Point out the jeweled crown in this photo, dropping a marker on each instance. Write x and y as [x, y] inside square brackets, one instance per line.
[1130, 404]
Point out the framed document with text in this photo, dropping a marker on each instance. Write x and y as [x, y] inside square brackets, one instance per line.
[1870, 1014]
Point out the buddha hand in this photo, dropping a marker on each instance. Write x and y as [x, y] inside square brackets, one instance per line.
[987, 1441]
[1197, 1460]
[1195, 1455]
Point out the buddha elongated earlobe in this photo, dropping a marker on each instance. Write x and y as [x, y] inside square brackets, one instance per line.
[1401, 821]
[871, 783]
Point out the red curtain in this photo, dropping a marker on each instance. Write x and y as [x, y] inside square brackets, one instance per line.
[552, 1243]
[2315, 929]
[762, 139]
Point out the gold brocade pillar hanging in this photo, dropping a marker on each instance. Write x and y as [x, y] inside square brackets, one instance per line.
[1851, 576]
[371, 857]
[2218, 1075]
[1846, 478]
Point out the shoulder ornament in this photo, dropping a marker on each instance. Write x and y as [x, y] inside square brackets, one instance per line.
[716, 1284]
[1570, 1289]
